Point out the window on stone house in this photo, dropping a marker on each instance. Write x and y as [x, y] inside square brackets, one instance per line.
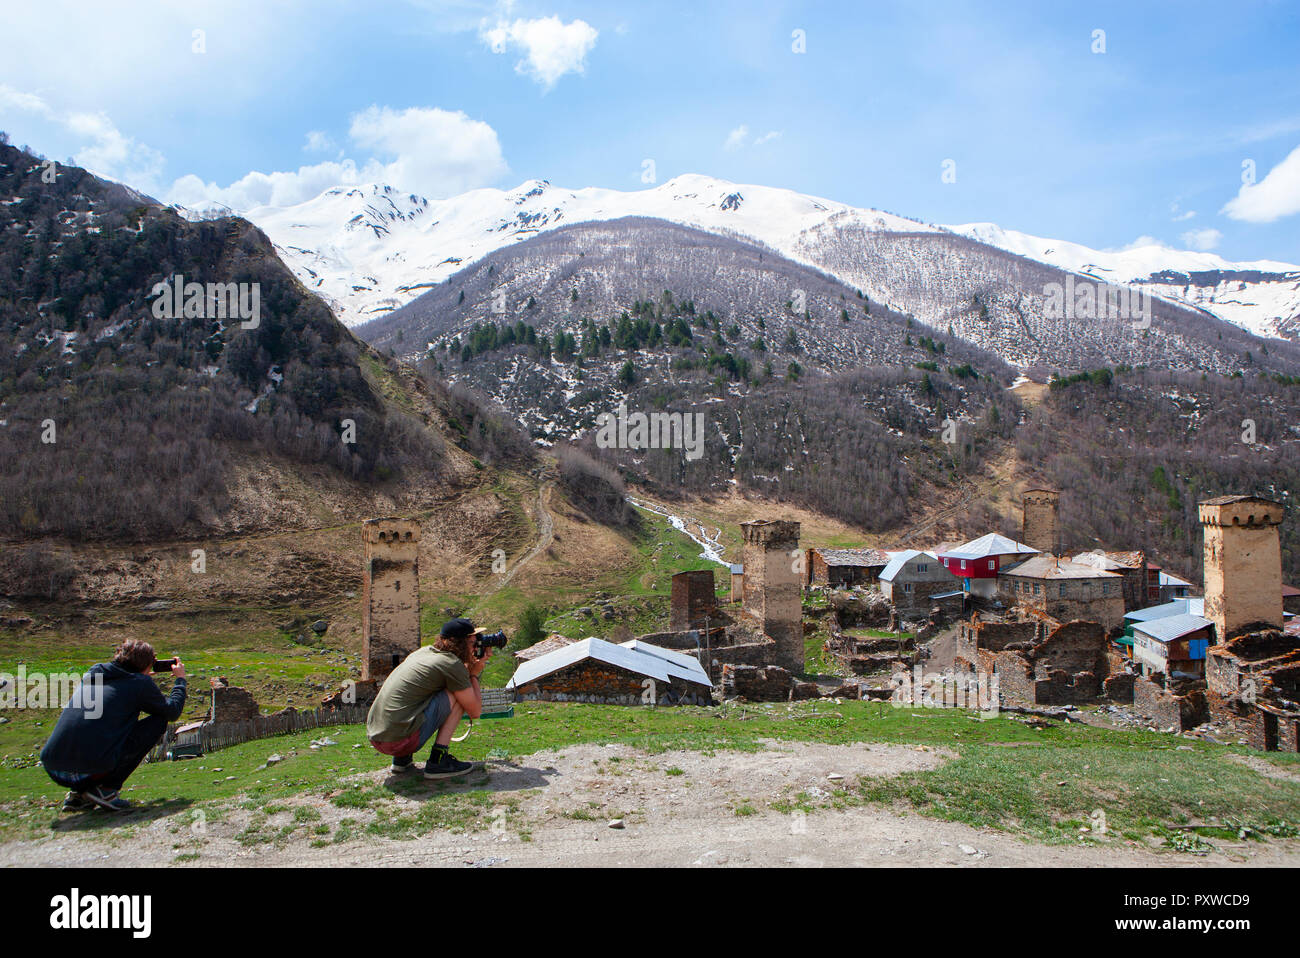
[922, 567]
[1037, 588]
[1062, 593]
[907, 587]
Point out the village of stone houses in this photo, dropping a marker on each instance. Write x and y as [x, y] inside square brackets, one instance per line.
[988, 702]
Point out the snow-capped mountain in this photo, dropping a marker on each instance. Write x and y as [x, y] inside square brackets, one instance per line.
[368, 250]
[1262, 297]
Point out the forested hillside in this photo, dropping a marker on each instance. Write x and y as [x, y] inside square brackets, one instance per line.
[115, 423]
[1133, 451]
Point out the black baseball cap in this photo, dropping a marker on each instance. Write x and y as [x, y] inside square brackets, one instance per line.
[459, 629]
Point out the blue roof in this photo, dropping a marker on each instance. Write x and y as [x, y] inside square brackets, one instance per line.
[1172, 627]
[1188, 606]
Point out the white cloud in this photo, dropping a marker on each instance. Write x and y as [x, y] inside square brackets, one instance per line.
[550, 47]
[104, 149]
[423, 150]
[12, 100]
[319, 142]
[1203, 240]
[1275, 196]
[739, 138]
[265, 189]
[435, 152]
[1180, 216]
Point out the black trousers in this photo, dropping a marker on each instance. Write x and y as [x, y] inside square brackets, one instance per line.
[141, 740]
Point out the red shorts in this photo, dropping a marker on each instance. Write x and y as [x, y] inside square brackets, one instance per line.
[407, 746]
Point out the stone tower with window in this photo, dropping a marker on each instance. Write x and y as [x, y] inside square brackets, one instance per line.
[773, 586]
[390, 595]
[1243, 564]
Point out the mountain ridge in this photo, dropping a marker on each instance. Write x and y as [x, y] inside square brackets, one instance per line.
[371, 248]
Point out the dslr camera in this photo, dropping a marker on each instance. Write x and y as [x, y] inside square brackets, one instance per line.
[495, 640]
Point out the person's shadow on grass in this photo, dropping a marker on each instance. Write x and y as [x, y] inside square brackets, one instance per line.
[494, 776]
[98, 819]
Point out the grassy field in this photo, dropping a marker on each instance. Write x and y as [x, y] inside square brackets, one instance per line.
[1048, 784]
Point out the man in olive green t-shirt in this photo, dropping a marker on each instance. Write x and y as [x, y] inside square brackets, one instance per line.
[426, 696]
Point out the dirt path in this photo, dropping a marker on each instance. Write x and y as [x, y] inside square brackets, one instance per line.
[677, 808]
[545, 536]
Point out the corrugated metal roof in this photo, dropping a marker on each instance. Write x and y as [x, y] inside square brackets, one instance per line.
[1167, 579]
[681, 664]
[1172, 627]
[639, 660]
[896, 563]
[1187, 606]
[990, 544]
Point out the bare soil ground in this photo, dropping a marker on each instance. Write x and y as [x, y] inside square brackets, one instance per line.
[677, 809]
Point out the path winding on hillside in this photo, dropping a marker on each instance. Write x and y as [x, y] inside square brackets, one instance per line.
[545, 536]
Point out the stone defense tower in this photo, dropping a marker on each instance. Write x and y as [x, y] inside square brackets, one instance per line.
[390, 595]
[1243, 563]
[773, 586]
[1041, 528]
[692, 600]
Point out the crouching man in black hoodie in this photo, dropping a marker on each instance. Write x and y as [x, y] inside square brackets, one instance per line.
[100, 738]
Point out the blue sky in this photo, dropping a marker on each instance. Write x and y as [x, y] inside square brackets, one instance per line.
[1146, 139]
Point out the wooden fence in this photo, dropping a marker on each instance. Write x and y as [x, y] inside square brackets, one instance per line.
[224, 734]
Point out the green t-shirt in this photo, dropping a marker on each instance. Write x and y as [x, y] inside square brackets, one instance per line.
[398, 710]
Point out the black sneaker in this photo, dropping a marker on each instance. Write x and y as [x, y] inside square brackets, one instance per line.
[402, 764]
[77, 802]
[108, 800]
[448, 766]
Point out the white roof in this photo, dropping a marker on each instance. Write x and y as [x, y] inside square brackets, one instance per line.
[634, 656]
[683, 665]
[991, 544]
[900, 559]
[1167, 579]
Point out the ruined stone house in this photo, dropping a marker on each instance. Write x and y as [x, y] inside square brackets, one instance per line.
[845, 568]
[1037, 660]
